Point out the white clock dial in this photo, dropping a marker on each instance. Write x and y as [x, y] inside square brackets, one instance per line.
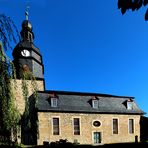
[25, 53]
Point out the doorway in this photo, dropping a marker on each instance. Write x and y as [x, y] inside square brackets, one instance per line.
[97, 137]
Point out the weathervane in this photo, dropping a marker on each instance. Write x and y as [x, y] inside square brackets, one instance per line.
[27, 13]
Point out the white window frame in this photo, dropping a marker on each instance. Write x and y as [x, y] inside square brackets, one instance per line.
[100, 131]
[117, 126]
[95, 103]
[132, 125]
[129, 105]
[59, 125]
[54, 102]
[79, 124]
[94, 121]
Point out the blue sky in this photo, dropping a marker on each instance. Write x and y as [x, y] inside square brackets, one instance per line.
[88, 46]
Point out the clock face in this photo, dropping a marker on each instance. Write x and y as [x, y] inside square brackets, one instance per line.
[25, 53]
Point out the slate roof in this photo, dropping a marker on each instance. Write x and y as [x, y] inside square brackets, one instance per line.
[81, 102]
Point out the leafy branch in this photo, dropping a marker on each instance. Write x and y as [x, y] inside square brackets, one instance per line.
[8, 31]
[9, 113]
[133, 5]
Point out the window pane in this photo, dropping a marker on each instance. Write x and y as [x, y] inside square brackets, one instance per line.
[129, 105]
[95, 103]
[115, 126]
[54, 102]
[55, 126]
[131, 126]
[97, 137]
[76, 126]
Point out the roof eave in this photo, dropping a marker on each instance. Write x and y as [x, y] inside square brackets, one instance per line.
[101, 112]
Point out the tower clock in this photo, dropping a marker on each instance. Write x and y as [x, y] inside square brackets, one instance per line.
[26, 54]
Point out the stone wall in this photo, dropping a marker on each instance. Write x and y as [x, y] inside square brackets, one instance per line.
[17, 89]
[87, 128]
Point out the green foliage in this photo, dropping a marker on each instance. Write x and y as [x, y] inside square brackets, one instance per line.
[9, 114]
[27, 75]
[133, 5]
[8, 31]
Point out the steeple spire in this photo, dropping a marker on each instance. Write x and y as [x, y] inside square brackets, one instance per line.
[26, 33]
[27, 13]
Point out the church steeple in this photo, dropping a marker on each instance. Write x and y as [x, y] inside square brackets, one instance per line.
[26, 54]
[26, 12]
[26, 33]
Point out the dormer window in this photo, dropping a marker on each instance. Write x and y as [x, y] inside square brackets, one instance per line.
[54, 102]
[95, 102]
[130, 104]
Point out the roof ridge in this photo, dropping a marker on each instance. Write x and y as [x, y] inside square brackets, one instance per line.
[84, 93]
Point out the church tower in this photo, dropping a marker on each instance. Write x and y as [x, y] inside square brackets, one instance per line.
[26, 55]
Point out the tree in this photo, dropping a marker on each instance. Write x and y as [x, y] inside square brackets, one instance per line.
[8, 32]
[9, 114]
[133, 5]
[8, 111]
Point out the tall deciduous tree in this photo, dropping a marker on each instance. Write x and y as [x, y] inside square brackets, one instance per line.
[9, 114]
[8, 32]
[8, 111]
[133, 5]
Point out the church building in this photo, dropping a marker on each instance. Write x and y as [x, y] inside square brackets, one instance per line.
[84, 118]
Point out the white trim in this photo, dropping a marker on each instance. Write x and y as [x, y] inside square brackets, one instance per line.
[117, 126]
[95, 104]
[101, 134]
[52, 125]
[130, 105]
[73, 124]
[94, 121]
[133, 126]
[54, 102]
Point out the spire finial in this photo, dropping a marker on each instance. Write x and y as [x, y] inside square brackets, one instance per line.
[27, 13]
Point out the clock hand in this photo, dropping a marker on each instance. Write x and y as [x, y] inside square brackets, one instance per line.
[25, 52]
